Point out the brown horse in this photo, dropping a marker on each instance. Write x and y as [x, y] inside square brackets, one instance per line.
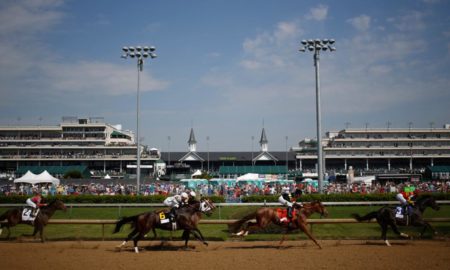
[265, 216]
[14, 217]
[386, 218]
[186, 220]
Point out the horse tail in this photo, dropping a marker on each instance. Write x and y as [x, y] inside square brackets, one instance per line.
[369, 216]
[234, 227]
[123, 221]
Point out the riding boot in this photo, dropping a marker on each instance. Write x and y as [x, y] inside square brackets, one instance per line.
[289, 213]
[172, 214]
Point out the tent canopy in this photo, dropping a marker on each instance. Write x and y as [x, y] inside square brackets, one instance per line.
[31, 178]
[248, 176]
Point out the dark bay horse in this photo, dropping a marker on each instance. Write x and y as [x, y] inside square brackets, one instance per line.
[265, 216]
[187, 220]
[386, 217]
[14, 217]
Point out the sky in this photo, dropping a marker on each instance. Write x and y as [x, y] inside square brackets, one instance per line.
[226, 68]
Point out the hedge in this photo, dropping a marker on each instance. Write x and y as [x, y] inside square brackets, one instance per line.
[216, 199]
[98, 199]
[351, 197]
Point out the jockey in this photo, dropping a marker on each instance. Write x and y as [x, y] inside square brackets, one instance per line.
[35, 202]
[174, 202]
[192, 197]
[405, 197]
[285, 199]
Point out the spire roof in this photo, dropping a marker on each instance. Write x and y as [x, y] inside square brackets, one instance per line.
[192, 137]
[263, 139]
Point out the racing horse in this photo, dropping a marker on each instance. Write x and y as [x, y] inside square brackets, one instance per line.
[386, 217]
[187, 219]
[265, 216]
[14, 217]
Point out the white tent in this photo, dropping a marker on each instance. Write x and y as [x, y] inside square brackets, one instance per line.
[26, 178]
[364, 179]
[31, 178]
[248, 176]
[46, 177]
[196, 173]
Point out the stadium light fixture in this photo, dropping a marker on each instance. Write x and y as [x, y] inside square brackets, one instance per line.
[140, 53]
[317, 46]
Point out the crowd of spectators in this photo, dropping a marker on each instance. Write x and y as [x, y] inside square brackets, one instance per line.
[232, 193]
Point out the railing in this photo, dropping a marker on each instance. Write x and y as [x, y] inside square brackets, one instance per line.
[311, 222]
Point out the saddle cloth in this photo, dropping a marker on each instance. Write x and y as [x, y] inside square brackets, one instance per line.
[26, 214]
[164, 217]
[282, 214]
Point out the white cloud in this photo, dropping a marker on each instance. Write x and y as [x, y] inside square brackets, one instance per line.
[360, 23]
[97, 77]
[318, 13]
[24, 16]
[29, 66]
[410, 21]
[266, 50]
[431, 1]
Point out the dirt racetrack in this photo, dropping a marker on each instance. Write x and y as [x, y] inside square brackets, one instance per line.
[336, 254]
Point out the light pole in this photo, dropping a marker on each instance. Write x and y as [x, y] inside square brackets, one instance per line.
[287, 158]
[168, 148]
[140, 53]
[207, 146]
[317, 46]
[253, 139]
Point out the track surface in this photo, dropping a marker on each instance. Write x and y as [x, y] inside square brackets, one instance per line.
[336, 254]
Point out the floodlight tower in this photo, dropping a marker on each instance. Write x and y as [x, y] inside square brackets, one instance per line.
[140, 53]
[317, 46]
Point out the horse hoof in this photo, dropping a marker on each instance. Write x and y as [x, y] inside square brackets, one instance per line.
[205, 243]
[136, 250]
[387, 243]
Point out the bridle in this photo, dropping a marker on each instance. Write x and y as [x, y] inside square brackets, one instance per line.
[206, 206]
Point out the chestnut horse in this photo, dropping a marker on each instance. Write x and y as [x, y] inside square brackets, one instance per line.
[187, 220]
[265, 216]
[14, 217]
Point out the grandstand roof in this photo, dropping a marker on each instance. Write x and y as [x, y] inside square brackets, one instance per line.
[60, 170]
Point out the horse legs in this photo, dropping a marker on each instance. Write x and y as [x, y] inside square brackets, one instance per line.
[197, 234]
[384, 228]
[37, 228]
[130, 235]
[185, 236]
[249, 226]
[305, 229]
[138, 237]
[425, 225]
[396, 231]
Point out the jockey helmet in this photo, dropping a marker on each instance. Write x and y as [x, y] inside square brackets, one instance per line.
[192, 194]
[184, 195]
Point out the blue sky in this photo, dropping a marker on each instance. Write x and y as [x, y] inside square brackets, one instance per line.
[226, 68]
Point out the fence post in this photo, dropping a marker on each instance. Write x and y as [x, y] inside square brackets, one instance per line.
[220, 214]
[120, 211]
